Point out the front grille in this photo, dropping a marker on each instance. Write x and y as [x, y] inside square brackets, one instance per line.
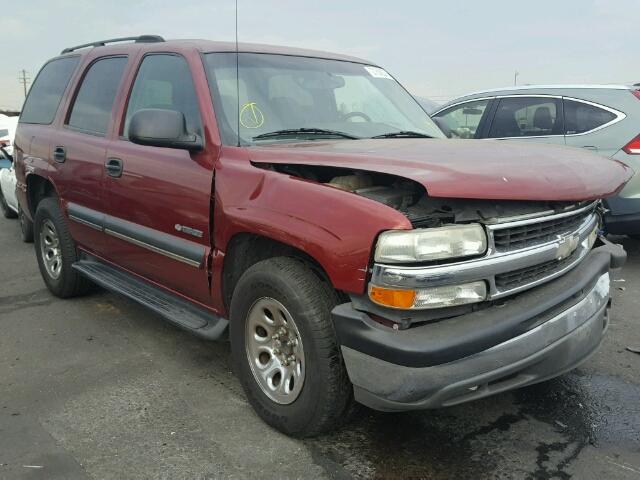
[523, 276]
[532, 234]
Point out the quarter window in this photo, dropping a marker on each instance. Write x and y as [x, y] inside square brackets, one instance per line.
[462, 121]
[581, 117]
[164, 81]
[527, 117]
[91, 111]
[47, 90]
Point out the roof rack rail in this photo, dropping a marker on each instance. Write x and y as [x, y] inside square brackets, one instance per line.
[102, 43]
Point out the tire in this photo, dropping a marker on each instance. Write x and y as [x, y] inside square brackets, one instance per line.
[323, 401]
[52, 235]
[26, 226]
[6, 210]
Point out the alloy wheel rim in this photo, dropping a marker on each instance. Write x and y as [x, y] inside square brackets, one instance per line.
[50, 249]
[274, 350]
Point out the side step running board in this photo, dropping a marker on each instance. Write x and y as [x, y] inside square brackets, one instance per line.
[178, 311]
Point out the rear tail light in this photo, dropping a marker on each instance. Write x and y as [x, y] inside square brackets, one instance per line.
[633, 147]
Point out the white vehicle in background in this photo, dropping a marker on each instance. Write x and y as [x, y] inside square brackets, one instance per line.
[8, 127]
[8, 202]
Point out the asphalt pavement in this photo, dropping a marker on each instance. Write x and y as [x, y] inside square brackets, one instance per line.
[98, 387]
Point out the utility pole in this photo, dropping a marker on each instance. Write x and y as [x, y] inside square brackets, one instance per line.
[24, 79]
[515, 78]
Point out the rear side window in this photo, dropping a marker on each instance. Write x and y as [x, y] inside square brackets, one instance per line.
[582, 117]
[527, 117]
[47, 90]
[164, 81]
[91, 110]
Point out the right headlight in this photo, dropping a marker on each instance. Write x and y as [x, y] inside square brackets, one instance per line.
[427, 244]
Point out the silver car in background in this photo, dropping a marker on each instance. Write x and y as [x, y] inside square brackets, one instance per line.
[604, 118]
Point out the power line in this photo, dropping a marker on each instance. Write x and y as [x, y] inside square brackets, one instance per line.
[24, 79]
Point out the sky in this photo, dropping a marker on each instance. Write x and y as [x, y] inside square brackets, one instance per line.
[437, 49]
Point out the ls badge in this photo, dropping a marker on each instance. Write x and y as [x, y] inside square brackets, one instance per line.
[188, 230]
[567, 244]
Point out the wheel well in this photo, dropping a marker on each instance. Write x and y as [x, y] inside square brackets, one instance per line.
[247, 249]
[37, 189]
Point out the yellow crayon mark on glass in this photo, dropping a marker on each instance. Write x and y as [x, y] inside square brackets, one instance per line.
[251, 116]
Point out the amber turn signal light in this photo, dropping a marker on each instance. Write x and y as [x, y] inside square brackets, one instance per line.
[391, 297]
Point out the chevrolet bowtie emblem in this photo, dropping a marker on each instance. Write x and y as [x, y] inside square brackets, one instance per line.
[566, 245]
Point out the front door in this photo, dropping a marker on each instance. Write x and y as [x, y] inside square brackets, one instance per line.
[159, 199]
[528, 118]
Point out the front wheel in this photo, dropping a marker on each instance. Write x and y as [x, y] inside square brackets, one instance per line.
[284, 348]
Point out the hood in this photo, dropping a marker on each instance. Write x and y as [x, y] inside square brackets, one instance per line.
[477, 169]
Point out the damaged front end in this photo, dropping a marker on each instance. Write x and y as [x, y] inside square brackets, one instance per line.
[462, 255]
[480, 296]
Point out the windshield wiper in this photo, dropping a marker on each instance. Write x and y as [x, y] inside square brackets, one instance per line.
[298, 132]
[403, 134]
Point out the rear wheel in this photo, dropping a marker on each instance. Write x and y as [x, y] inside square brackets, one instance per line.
[285, 350]
[26, 226]
[4, 207]
[56, 251]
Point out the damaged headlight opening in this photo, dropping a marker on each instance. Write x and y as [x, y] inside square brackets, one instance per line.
[424, 245]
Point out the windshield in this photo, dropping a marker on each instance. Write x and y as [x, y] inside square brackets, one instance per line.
[327, 98]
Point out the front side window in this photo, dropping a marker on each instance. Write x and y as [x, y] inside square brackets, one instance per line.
[582, 117]
[282, 92]
[91, 111]
[527, 117]
[47, 90]
[164, 81]
[462, 121]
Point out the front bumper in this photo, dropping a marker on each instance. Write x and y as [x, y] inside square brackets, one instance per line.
[623, 217]
[535, 336]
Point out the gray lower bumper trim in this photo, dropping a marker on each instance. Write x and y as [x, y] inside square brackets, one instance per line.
[550, 349]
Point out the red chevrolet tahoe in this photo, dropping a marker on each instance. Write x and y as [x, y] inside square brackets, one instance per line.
[305, 205]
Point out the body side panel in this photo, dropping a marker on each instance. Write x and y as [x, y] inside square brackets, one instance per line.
[336, 228]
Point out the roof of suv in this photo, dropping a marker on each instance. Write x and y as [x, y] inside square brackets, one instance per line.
[564, 90]
[206, 46]
[551, 87]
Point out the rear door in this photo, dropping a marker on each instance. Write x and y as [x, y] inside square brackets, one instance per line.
[80, 147]
[529, 118]
[159, 202]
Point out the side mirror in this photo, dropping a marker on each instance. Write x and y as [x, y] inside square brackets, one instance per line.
[162, 128]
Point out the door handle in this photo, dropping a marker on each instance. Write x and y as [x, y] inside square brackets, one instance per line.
[59, 154]
[114, 167]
